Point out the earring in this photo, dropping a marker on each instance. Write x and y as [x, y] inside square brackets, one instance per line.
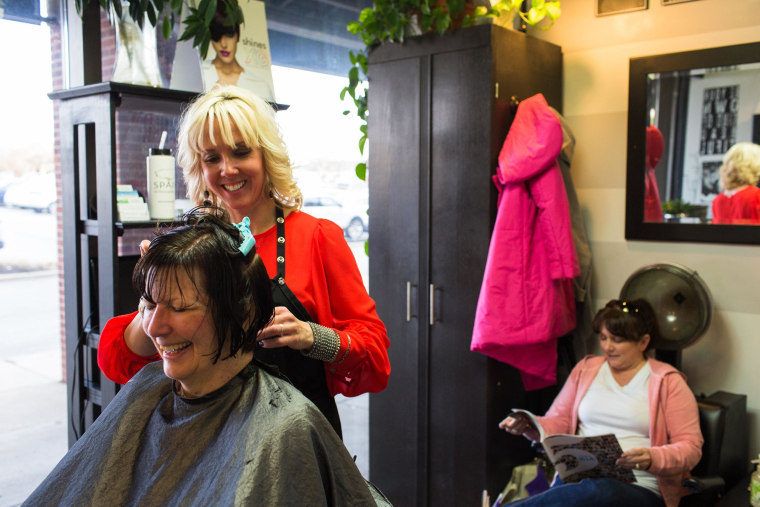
[206, 200]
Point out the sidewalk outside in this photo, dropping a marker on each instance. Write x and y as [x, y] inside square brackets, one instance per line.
[33, 434]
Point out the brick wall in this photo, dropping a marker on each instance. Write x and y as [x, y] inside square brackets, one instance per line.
[136, 132]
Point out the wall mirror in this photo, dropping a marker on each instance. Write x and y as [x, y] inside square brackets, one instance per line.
[685, 110]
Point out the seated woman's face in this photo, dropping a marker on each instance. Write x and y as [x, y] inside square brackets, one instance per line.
[182, 329]
[621, 354]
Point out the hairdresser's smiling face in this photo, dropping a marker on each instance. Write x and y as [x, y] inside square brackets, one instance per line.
[226, 48]
[180, 325]
[235, 174]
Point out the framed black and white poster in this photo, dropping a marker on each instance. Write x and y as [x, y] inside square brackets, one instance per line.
[607, 7]
[720, 107]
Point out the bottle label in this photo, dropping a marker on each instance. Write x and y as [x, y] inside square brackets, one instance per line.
[161, 187]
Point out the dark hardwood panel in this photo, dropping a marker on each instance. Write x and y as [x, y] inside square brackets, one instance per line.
[461, 190]
[394, 244]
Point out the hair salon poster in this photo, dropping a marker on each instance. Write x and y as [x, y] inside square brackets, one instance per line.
[719, 114]
[240, 56]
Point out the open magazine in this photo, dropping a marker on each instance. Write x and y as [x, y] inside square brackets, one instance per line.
[575, 457]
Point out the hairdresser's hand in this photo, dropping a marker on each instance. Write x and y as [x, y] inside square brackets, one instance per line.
[637, 459]
[286, 331]
[519, 424]
[144, 244]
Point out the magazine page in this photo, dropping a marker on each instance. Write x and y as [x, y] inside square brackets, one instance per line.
[576, 457]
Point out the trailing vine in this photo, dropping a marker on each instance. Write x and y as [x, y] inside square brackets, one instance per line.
[389, 21]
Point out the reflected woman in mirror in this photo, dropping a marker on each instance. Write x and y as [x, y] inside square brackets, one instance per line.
[652, 204]
[739, 202]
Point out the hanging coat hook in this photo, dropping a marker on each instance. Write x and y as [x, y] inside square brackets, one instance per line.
[513, 103]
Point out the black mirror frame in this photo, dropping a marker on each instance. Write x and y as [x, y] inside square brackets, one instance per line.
[635, 226]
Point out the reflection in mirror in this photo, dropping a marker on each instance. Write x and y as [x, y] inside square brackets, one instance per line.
[703, 113]
[693, 153]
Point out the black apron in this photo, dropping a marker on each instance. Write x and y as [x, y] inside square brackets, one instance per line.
[306, 374]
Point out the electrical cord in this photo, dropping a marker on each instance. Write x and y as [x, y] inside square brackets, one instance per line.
[75, 361]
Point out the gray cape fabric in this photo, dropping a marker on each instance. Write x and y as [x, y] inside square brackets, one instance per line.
[255, 441]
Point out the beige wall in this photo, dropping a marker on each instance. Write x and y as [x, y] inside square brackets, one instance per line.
[596, 53]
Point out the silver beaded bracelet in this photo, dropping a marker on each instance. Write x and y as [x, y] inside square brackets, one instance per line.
[326, 343]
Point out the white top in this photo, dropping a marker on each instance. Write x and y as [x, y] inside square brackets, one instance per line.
[609, 407]
[257, 80]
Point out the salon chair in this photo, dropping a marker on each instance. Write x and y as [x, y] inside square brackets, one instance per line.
[725, 461]
[683, 304]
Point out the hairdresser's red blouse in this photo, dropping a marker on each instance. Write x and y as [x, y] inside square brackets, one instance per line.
[322, 272]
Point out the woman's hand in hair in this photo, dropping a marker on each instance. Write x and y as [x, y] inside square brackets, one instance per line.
[286, 330]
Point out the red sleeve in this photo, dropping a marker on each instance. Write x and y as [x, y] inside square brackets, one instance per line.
[115, 358]
[362, 363]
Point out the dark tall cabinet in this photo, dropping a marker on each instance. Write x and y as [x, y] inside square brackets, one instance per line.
[439, 112]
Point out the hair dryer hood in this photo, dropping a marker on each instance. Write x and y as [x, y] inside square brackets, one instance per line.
[680, 299]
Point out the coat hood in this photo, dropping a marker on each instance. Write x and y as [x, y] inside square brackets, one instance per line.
[533, 143]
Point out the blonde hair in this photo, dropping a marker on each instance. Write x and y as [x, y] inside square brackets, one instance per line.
[228, 107]
[741, 166]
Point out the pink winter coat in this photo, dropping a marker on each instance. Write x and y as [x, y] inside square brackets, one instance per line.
[526, 300]
[676, 439]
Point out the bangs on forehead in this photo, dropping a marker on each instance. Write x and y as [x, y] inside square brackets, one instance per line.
[228, 114]
[159, 282]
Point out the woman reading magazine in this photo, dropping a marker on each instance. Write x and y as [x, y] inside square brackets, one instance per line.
[645, 403]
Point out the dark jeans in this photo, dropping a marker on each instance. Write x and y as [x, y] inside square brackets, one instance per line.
[594, 492]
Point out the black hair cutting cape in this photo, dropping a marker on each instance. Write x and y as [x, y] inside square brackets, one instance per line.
[256, 441]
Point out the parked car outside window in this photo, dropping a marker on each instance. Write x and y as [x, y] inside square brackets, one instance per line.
[33, 191]
[351, 217]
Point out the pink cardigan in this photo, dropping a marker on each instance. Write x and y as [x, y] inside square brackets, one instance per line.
[673, 421]
[527, 297]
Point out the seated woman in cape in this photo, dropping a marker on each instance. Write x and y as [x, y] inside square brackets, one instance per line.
[207, 425]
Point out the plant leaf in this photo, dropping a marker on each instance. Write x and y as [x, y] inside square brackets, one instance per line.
[151, 15]
[204, 46]
[166, 29]
[442, 23]
[361, 171]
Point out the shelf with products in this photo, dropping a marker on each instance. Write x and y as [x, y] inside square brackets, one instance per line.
[106, 131]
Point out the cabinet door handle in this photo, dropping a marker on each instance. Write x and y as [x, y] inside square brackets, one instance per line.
[409, 286]
[432, 304]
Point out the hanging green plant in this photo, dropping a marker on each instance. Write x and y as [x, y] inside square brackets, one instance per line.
[166, 12]
[390, 21]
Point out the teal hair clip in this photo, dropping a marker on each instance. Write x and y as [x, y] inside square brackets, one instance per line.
[248, 240]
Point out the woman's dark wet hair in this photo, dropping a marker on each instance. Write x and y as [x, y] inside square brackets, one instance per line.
[630, 320]
[217, 25]
[237, 286]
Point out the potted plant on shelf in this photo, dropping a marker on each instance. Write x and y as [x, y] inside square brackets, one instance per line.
[390, 21]
[134, 63]
[167, 12]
